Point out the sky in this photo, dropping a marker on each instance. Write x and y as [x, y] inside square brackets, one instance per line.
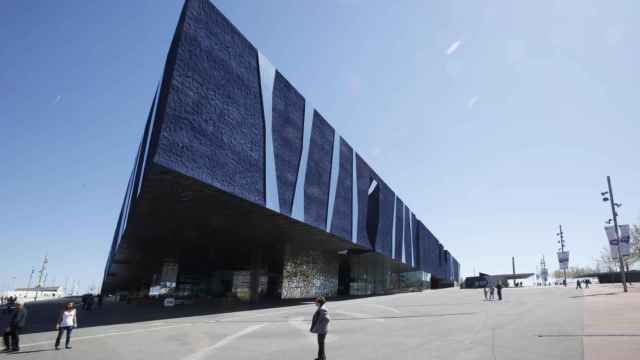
[494, 121]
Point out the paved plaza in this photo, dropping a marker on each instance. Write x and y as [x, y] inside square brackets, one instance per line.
[530, 323]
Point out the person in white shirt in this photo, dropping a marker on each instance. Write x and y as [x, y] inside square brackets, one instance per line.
[66, 322]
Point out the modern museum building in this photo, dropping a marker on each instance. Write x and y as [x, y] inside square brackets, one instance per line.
[240, 188]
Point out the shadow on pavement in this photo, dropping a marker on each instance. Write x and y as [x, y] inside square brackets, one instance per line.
[43, 315]
[22, 352]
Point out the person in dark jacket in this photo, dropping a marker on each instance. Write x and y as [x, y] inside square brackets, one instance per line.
[320, 325]
[499, 288]
[16, 324]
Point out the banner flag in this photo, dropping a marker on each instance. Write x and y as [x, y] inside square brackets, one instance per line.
[563, 259]
[625, 239]
[613, 240]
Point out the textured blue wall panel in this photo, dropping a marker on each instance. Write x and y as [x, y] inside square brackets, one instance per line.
[447, 265]
[213, 129]
[407, 235]
[385, 223]
[417, 249]
[414, 240]
[432, 253]
[399, 222]
[343, 206]
[288, 122]
[363, 173]
[423, 244]
[316, 187]
[441, 264]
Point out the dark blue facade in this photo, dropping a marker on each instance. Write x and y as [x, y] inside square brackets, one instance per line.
[399, 229]
[408, 253]
[212, 122]
[316, 187]
[343, 209]
[288, 123]
[385, 221]
[212, 128]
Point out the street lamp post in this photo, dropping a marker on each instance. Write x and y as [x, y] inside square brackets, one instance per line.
[614, 213]
[561, 241]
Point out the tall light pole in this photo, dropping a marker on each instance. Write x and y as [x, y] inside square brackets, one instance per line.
[561, 242]
[614, 213]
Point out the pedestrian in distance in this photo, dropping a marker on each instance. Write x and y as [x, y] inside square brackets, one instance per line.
[499, 288]
[320, 325]
[90, 302]
[84, 302]
[12, 333]
[491, 293]
[578, 284]
[484, 290]
[67, 321]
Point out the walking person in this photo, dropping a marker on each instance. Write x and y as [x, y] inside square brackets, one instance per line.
[491, 292]
[17, 322]
[484, 290]
[578, 285]
[320, 325]
[90, 301]
[499, 288]
[66, 323]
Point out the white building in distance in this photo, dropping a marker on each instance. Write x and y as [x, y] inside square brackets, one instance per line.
[44, 293]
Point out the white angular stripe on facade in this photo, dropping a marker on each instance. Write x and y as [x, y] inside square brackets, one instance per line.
[333, 184]
[297, 211]
[152, 121]
[267, 78]
[404, 212]
[411, 234]
[129, 196]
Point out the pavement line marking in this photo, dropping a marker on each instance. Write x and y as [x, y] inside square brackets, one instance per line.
[359, 315]
[204, 352]
[249, 316]
[386, 308]
[591, 335]
[114, 333]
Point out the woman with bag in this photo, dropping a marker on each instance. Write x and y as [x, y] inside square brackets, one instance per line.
[66, 322]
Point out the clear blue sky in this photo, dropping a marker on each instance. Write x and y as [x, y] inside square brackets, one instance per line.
[495, 121]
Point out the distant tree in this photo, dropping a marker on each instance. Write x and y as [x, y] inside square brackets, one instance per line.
[605, 262]
[635, 245]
